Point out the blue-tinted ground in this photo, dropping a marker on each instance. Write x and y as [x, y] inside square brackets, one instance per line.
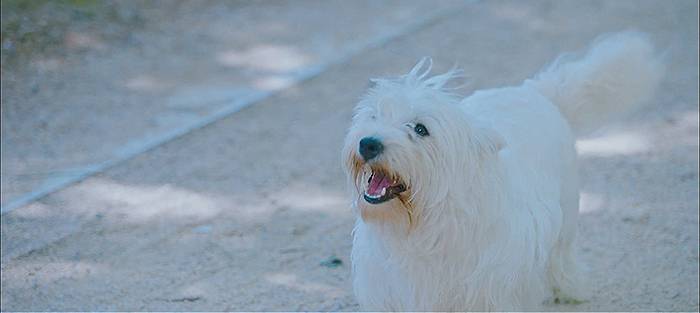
[240, 214]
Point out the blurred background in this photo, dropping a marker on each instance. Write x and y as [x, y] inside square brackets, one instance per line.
[184, 155]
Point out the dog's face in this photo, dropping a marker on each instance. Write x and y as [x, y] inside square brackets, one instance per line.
[410, 143]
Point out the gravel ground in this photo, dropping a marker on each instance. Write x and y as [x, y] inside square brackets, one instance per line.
[127, 73]
[250, 213]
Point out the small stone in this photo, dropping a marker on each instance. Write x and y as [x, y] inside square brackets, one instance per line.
[332, 262]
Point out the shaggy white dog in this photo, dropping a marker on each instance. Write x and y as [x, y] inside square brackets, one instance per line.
[471, 204]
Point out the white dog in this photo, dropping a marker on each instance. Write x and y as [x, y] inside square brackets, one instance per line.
[471, 204]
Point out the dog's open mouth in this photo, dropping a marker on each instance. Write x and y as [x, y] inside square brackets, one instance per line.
[382, 187]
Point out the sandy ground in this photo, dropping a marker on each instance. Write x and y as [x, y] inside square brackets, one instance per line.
[246, 213]
[141, 76]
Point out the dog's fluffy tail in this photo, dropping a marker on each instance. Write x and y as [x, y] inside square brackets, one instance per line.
[616, 76]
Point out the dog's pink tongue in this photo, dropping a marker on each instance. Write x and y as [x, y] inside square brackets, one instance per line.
[378, 183]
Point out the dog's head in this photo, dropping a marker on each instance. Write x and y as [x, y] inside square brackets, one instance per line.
[410, 145]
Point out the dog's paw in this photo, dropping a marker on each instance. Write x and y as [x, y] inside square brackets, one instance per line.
[561, 298]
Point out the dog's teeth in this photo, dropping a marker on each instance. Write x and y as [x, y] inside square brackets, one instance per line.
[383, 191]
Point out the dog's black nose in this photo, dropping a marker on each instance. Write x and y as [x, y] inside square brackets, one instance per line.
[370, 148]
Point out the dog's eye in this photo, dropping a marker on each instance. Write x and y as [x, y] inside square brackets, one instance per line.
[421, 130]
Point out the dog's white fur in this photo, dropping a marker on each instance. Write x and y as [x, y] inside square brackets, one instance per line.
[490, 215]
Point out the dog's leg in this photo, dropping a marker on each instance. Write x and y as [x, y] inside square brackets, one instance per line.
[565, 272]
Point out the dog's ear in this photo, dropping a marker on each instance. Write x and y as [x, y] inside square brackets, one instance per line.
[490, 141]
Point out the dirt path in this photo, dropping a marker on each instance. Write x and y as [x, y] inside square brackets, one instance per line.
[115, 87]
[249, 213]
